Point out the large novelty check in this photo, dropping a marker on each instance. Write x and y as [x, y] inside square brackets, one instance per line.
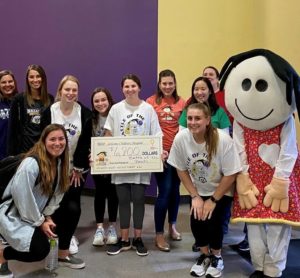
[126, 154]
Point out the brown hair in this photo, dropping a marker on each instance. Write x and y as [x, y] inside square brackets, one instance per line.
[211, 136]
[159, 93]
[95, 113]
[4, 73]
[39, 151]
[43, 89]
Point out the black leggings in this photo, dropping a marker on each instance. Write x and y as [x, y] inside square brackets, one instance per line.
[105, 190]
[38, 250]
[67, 216]
[210, 232]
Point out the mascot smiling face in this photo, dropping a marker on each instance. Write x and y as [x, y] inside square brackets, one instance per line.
[256, 95]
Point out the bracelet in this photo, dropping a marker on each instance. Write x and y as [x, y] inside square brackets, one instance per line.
[193, 197]
[78, 170]
[213, 199]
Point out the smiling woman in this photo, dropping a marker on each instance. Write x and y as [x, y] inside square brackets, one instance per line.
[206, 162]
[8, 89]
[77, 121]
[26, 215]
[26, 109]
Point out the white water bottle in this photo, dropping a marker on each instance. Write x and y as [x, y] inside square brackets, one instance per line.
[51, 261]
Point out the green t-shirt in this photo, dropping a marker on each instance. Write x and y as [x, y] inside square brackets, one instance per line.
[218, 120]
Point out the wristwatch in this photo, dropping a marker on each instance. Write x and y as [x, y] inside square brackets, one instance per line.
[214, 200]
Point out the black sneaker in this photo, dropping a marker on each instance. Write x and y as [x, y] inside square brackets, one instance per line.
[138, 245]
[121, 245]
[243, 246]
[257, 274]
[72, 262]
[5, 271]
[195, 247]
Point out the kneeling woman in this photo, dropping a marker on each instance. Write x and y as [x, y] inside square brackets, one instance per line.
[32, 196]
[207, 162]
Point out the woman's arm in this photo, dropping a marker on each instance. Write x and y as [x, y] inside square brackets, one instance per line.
[21, 189]
[15, 128]
[197, 201]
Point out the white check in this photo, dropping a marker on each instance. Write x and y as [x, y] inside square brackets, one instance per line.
[126, 154]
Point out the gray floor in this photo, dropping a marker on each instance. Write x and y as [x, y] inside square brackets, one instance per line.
[176, 263]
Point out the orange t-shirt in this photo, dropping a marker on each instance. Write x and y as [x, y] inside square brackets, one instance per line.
[168, 113]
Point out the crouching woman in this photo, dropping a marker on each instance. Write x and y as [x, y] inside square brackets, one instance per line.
[207, 162]
[32, 196]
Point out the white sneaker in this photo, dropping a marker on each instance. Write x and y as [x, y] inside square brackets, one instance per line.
[200, 267]
[112, 237]
[216, 267]
[99, 237]
[73, 249]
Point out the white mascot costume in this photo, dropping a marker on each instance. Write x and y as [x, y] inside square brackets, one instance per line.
[262, 91]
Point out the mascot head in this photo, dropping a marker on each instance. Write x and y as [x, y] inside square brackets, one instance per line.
[261, 89]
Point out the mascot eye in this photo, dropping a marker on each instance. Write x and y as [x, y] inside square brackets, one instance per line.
[246, 84]
[261, 85]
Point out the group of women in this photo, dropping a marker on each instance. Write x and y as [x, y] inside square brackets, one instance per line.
[58, 133]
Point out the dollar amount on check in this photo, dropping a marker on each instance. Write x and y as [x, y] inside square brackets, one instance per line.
[126, 154]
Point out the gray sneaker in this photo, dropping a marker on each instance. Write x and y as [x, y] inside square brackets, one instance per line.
[72, 262]
[112, 237]
[5, 271]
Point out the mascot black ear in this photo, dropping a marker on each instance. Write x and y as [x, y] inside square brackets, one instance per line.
[280, 66]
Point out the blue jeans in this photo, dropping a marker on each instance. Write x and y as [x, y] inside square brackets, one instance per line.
[168, 197]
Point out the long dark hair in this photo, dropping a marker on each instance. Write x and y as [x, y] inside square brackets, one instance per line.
[159, 93]
[212, 102]
[45, 99]
[95, 113]
[4, 73]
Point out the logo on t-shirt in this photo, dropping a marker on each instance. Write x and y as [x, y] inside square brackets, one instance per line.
[71, 130]
[200, 169]
[133, 125]
[198, 166]
[4, 113]
[167, 113]
[34, 115]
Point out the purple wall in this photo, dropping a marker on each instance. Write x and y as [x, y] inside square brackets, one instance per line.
[98, 41]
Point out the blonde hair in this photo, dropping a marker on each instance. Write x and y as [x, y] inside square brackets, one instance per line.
[62, 83]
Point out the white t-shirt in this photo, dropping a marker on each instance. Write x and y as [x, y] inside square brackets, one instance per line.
[127, 120]
[71, 123]
[186, 154]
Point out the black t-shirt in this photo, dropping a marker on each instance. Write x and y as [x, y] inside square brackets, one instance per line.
[32, 130]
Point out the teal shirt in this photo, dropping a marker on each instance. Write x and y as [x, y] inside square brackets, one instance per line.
[218, 120]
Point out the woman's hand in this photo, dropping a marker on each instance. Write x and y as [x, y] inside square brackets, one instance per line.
[76, 176]
[91, 161]
[208, 209]
[197, 207]
[48, 227]
[164, 156]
